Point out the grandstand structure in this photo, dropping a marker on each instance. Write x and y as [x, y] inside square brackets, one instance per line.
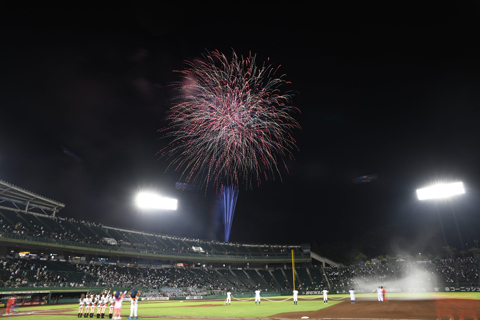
[40, 249]
[31, 228]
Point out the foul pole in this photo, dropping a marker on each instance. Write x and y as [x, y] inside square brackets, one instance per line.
[293, 269]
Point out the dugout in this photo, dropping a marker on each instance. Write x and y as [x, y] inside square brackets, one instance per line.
[24, 297]
[38, 297]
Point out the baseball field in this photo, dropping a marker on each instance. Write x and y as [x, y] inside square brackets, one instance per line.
[399, 306]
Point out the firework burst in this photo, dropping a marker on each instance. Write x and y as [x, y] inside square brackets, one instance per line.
[232, 125]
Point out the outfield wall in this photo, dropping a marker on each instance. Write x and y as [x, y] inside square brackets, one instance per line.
[441, 288]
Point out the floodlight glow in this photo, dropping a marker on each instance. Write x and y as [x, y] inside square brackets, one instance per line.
[147, 200]
[441, 191]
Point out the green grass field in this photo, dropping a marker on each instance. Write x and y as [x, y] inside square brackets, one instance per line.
[238, 308]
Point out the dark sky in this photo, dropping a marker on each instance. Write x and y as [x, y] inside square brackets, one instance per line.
[391, 90]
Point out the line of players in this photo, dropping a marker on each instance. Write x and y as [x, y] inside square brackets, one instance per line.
[101, 302]
[104, 300]
[381, 293]
[89, 302]
[228, 301]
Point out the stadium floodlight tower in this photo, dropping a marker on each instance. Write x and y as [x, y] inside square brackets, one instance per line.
[153, 201]
[443, 191]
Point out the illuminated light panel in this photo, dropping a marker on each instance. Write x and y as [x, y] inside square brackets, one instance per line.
[441, 191]
[147, 200]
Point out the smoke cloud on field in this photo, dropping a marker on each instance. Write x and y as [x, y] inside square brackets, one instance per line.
[417, 278]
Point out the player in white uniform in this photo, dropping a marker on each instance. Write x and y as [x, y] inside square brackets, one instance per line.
[88, 302]
[352, 295]
[134, 303]
[379, 294]
[257, 296]
[325, 295]
[104, 302]
[229, 298]
[81, 305]
[99, 303]
[94, 304]
[111, 302]
[295, 296]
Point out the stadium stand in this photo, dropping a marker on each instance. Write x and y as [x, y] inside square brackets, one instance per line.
[242, 277]
[65, 252]
[231, 280]
[47, 273]
[270, 279]
[317, 276]
[257, 279]
[279, 276]
[303, 277]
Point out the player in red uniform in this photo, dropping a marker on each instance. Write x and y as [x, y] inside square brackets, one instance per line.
[11, 304]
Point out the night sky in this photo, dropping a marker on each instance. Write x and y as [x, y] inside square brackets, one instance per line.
[392, 90]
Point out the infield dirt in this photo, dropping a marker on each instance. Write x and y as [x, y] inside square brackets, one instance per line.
[418, 309]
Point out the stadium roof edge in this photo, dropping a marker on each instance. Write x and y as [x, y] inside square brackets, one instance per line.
[324, 260]
[18, 197]
[200, 240]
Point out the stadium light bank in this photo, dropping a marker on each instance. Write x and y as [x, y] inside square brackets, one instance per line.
[153, 201]
[441, 191]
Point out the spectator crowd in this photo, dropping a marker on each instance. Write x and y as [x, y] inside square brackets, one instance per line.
[175, 281]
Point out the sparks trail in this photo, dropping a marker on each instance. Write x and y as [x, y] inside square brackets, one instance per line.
[228, 200]
[232, 125]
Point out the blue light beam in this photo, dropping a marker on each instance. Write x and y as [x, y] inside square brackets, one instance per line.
[228, 200]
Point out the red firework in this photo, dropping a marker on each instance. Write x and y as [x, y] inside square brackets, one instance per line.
[232, 125]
